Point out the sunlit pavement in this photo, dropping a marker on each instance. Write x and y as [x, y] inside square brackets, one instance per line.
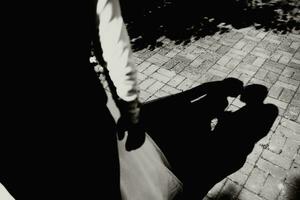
[252, 55]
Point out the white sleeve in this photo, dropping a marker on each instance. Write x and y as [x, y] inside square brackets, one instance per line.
[116, 48]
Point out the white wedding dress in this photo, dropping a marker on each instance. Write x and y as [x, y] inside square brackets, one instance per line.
[4, 194]
[145, 173]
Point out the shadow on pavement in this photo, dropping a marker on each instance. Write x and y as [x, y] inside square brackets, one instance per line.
[183, 21]
[291, 190]
[199, 155]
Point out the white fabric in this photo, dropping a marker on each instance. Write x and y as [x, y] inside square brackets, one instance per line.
[4, 194]
[145, 175]
[117, 49]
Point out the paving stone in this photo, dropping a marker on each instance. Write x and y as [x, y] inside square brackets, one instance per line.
[295, 45]
[292, 112]
[240, 44]
[214, 47]
[275, 56]
[260, 82]
[276, 102]
[175, 81]
[158, 59]
[297, 159]
[247, 168]
[155, 87]
[277, 159]
[221, 68]
[186, 84]
[286, 95]
[191, 73]
[271, 77]
[164, 51]
[183, 60]
[294, 65]
[224, 60]
[245, 78]
[247, 195]
[288, 132]
[276, 143]
[223, 50]
[274, 67]
[291, 125]
[270, 168]
[170, 64]
[259, 61]
[286, 83]
[161, 93]
[179, 68]
[271, 47]
[284, 53]
[166, 72]
[261, 74]
[284, 60]
[290, 72]
[144, 65]
[146, 54]
[150, 70]
[230, 190]
[276, 123]
[146, 83]
[256, 180]
[255, 154]
[275, 91]
[143, 96]
[296, 100]
[238, 177]
[249, 59]
[170, 90]
[197, 62]
[141, 76]
[271, 188]
[217, 73]
[233, 63]
[160, 77]
[205, 78]
[172, 53]
[137, 60]
[290, 148]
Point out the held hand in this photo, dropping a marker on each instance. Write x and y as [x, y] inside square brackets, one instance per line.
[136, 134]
[129, 121]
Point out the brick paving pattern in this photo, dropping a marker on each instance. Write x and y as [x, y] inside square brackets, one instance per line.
[264, 58]
[253, 56]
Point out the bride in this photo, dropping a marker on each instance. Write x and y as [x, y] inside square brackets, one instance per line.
[145, 172]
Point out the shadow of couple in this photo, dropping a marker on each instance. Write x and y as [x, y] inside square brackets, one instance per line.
[202, 155]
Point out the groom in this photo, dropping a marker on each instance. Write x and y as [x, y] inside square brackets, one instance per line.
[58, 137]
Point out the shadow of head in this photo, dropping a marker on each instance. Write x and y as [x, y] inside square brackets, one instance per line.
[231, 87]
[254, 94]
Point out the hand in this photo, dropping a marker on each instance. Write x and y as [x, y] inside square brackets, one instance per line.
[136, 134]
[129, 121]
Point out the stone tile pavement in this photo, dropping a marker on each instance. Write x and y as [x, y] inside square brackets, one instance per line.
[253, 56]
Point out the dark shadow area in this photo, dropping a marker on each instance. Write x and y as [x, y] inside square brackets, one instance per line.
[182, 21]
[293, 191]
[201, 156]
[228, 193]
